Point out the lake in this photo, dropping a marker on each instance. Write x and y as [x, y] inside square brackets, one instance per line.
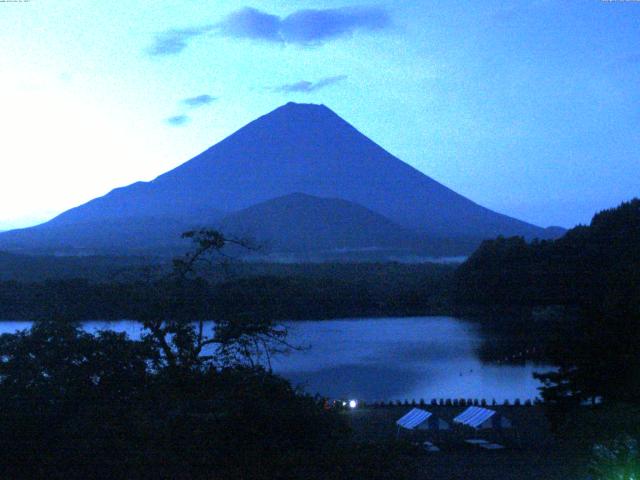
[385, 359]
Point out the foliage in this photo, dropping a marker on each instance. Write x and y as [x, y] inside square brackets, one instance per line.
[176, 323]
[593, 274]
[274, 292]
[619, 460]
[54, 361]
[588, 266]
[77, 405]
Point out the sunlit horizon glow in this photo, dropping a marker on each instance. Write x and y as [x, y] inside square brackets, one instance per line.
[529, 108]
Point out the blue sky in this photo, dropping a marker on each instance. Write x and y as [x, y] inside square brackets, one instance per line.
[530, 108]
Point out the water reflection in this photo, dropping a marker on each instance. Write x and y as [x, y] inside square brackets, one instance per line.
[358, 381]
[401, 358]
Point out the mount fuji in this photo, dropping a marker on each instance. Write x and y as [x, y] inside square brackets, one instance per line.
[304, 153]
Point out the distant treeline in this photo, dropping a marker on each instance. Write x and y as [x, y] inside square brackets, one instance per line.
[37, 268]
[279, 292]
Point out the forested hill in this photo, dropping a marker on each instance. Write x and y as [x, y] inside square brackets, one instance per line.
[595, 264]
[279, 292]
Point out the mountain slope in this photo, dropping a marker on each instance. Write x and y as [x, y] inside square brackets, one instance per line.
[296, 148]
[139, 235]
[304, 223]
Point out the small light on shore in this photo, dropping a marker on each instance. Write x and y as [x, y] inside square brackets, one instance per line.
[353, 403]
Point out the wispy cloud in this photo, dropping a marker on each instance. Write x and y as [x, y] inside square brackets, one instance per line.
[302, 27]
[192, 102]
[307, 87]
[199, 100]
[178, 120]
[172, 42]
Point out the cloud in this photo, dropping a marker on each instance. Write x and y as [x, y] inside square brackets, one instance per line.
[251, 23]
[172, 42]
[193, 102]
[199, 101]
[178, 120]
[302, 27]
[316, 26]
[307, 87]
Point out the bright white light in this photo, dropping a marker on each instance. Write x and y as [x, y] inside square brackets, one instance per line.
[61, 148]
[353, 403]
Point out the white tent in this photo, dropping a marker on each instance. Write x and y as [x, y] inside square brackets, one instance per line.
[418, 419]
[482, 418]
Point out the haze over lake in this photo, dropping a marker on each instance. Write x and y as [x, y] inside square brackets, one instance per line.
[385, 359]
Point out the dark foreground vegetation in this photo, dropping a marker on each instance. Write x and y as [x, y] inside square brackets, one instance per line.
[74, 405]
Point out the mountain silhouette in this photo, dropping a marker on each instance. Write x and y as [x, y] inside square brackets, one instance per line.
[306, 224]
[297, 148]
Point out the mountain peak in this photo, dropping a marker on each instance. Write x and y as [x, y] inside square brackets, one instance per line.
[303, 105]
[306, 112]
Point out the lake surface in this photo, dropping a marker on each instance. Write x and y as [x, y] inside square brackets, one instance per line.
[385, 359]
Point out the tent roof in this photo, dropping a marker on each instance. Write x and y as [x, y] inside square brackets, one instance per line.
[474, 416]
[414, 418]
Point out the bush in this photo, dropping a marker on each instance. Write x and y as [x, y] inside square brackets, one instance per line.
[75, 405]
[619, 458]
